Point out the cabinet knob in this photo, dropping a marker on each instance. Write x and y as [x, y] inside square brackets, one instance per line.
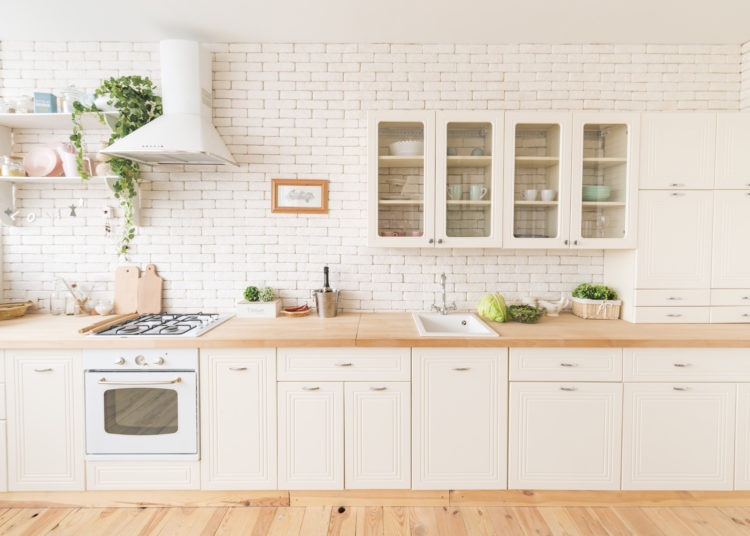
[378, 388]
[681, 365]
[311, 388]
[678, 194]
[677, 185]
[431, 241]
[462, 369]
[575, 242]
[566, 242]
[440, 240]
[674, 298]
[238, 368]
[680, 388]
[567, 388]
[42, 370]
[344, 364]
[568, 364]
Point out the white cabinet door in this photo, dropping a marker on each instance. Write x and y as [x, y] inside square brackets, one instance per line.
[674, 239]
[732, 156]
[468, 189]
[238, 419]
[459, 414]
[311, 435]
[731, 255]
[678, 150]
[45, 420]
[377, 428]
[678, 436]
[742, 444]
[564, 435]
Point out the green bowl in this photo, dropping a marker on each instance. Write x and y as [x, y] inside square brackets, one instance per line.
[596, 193]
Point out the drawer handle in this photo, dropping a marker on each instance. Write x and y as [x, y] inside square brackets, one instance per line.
[568, 389]
[681, 365]
[311, 388]
[745, 315]
[344, 364]
[237, 368]
[677, 185]
[42, 370]
[674, 298]
[680, 388]
[678, 194]
[378, 388]
[675, 315]
[462, 369]
[568, 364]
[746, 297]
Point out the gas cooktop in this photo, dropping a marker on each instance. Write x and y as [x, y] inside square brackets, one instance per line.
[166, 325]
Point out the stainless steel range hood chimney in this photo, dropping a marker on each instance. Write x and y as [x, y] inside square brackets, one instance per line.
[185, 134]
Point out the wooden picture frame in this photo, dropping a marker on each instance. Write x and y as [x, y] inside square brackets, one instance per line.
[299, 196]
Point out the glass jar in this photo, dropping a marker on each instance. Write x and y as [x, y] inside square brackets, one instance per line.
[24, 105]
[12, 166]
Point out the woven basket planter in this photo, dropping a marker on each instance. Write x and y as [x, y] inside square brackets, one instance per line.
[597, 309]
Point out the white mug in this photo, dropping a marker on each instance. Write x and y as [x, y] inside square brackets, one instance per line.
[529, 195]
[477, 192]
[549, 195]
[455, 192]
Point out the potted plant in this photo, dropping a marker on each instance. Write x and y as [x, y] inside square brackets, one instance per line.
[259, 303]
[597, 302]
[134, 99]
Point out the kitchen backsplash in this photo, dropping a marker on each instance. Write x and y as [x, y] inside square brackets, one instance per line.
[299, 111]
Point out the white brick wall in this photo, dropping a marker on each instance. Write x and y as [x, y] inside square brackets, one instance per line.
[299, 111]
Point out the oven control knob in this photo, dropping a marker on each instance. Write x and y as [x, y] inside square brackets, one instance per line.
[140, 360]
[120, 361]
[159, 361]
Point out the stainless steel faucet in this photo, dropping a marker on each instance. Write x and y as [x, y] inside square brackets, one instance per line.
[444, 308]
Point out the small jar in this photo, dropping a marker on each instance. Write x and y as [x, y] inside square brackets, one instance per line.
[24, 105]
[12, 166]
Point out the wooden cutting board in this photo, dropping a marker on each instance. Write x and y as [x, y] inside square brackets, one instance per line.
[126, 289]
[149, 291]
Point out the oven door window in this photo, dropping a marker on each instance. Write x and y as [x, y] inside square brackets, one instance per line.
[140, 411]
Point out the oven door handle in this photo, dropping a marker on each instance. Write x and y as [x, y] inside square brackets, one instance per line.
[104, 381]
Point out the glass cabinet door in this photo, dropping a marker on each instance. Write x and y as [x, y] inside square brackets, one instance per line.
[537, 187]
[468, 152]
[602, 187]
[403, 180]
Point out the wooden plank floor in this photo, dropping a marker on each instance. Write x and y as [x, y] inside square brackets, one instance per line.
[378, 521]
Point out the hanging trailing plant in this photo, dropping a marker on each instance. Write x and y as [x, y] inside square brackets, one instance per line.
[136, 103]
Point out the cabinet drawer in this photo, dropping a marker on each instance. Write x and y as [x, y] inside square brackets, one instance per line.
[142, 475]
[566, 364]
[730, 297]
[686, 364]
[671, 298]
[672, 315]
[337, 364]
[730, 315]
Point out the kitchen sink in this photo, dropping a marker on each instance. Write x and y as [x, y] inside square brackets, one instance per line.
[452, 325]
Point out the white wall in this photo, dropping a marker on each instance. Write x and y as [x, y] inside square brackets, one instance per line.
[299, 111]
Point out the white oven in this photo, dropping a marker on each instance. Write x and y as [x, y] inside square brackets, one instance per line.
[141, 403]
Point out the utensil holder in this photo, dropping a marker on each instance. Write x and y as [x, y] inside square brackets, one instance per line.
[327, 303]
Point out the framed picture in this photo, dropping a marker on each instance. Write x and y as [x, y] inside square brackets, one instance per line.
[299, 196]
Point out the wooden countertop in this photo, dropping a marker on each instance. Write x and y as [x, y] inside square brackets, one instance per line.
[378, 329]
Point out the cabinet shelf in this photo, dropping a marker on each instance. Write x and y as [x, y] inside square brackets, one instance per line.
[603, 204]
[54, 180]
[536, 161]
[536, 203]
[469, 161]
[400, 161]
[482, 202]
[604, 162]
[56, 121]
[400, 202]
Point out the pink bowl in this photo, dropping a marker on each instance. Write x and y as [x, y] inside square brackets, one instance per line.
[43, 161]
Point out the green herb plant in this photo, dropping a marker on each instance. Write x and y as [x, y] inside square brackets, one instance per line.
[137, 105]
[586, 291]
[266, 294]
[527, 314]
[252, 294]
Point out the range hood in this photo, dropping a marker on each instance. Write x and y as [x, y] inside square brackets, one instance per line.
[185, 133]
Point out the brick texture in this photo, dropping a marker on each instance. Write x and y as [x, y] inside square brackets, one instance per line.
[299, 111]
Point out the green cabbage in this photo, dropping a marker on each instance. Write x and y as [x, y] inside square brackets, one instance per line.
[492, 306]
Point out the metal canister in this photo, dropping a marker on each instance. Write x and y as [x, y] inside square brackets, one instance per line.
[327, 303]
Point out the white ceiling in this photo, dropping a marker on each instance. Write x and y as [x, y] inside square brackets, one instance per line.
[398, 21]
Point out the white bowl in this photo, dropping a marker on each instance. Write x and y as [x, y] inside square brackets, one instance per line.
[407, 148]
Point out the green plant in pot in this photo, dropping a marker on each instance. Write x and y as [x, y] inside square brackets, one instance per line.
[137, 104]
[595, 302]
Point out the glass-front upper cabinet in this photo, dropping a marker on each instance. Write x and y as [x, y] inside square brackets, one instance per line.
[468, 189]
[401, 167]
[537, 180]
[604, 190]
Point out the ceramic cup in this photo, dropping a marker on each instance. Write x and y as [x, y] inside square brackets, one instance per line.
[529, 195]
[452, 151]
[455, 192]
[477, 192]
[549, 195]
